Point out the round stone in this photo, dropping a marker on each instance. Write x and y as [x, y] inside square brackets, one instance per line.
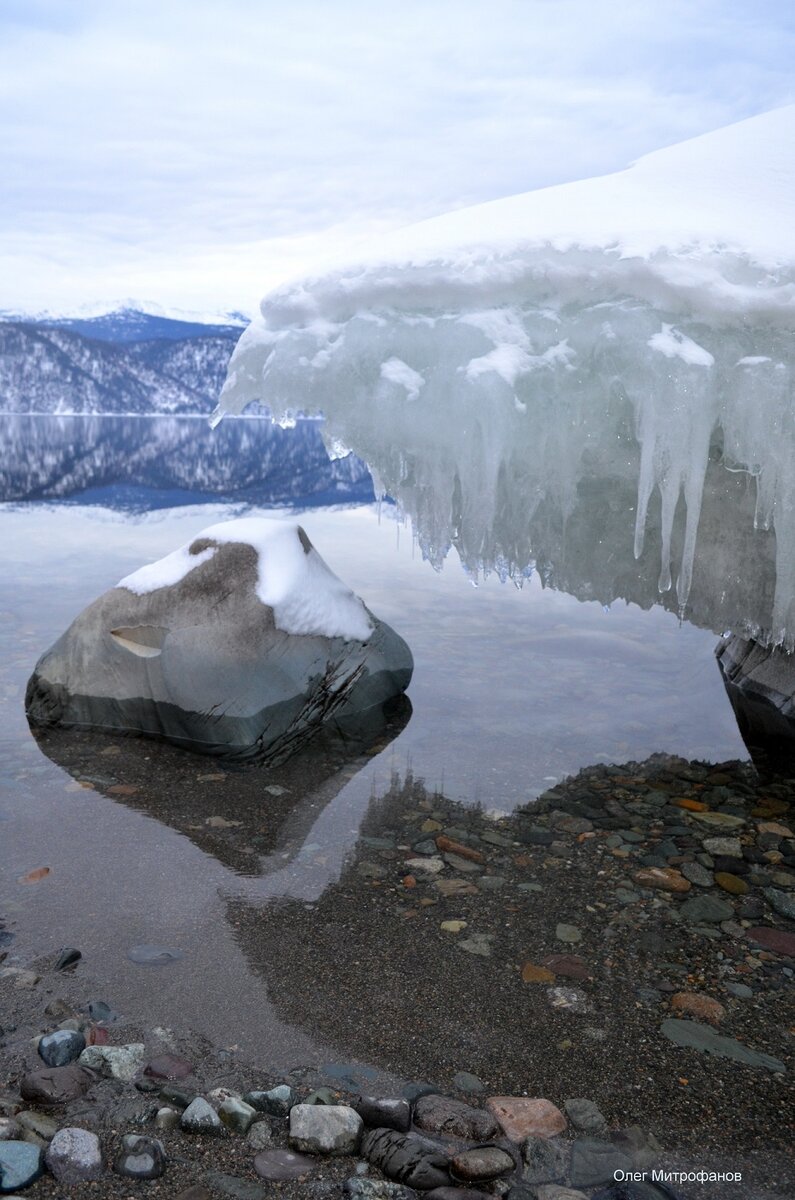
[481, 1164]
[282, 1166]
[140, 1157]
[61, 1048]
[21, 1164]
[74, 1155]
[523, 1116]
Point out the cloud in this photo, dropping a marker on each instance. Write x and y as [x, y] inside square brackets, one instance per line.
[147, 144]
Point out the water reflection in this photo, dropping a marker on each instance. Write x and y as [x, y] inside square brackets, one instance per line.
[130, 463]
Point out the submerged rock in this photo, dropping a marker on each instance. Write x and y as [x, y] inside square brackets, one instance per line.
[239, 644]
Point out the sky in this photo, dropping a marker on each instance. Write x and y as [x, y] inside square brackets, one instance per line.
[193, 155]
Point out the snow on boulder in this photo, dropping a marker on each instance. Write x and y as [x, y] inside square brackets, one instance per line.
[485, 362]
[241, 643]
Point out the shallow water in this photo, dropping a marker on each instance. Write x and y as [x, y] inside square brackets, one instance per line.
[513, 690]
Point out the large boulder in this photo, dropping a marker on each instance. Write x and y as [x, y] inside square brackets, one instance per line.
[760, 683]
[241, 644]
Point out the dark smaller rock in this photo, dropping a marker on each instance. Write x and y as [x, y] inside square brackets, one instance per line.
[481, 1164]
[415, 1090]
[140, 1157]
[464, 1081]
[594, 1162]
[584, 1115]
[276, 1102]
[62, 1047]
[68, 957]
[197, 1192]
[545, 1160]
[168, 1066]
[98, 1010]
[383, 1113]
[453, 1118]
[232, 1185]
[282, 1166]
[55, 1085]
[200, 1118]
[407, 1158]
[176, 1096]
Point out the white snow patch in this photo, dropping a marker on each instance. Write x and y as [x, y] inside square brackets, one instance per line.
[165, 572]
[304, 593]
[673, 344]
[394, 370]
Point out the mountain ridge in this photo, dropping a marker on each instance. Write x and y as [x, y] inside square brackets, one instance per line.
[128, 362]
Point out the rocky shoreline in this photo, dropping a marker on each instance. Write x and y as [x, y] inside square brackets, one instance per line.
[630, 937]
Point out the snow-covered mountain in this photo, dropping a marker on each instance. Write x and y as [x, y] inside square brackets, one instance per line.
[122, 362]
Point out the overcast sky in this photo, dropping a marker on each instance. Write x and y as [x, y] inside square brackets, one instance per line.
[194, 153]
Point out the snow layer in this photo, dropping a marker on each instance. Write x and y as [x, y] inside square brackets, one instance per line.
[527, 324]
[304, 593]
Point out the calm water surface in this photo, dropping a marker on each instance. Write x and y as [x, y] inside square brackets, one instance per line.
[513, 689]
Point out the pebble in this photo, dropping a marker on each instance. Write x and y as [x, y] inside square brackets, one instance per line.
[74, 1155]
[706, 909]
[723, 847]
[570, 966]
[477, 943]
[55, 1085]
[695, 1004]
[67, 958]
[545, 1159]
[168, 1066]
[594, 1162]
[384, 1113]
[324, 1129]
[233, 1186]
[36, 1123]
[741, 990]
[10, 1130]
[453, 1118]
[697, 874]
[781, 902]
[481, 1164]
[406, 1158]
[167, 1119]
[568, 933]
[61, 1047]
[693, 1035]
[260, 1135]
[523, 1116]
[464, 1081]
[201, 1117]
[117, 1062]
[236, 1115]
[585, 1115]
[571, 999]
[282, 1166]
[731, 883]
[376, 1189]
[20, 1165]
[276, 1102]
[777, 940]
[665, 879]
[140, 1157]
